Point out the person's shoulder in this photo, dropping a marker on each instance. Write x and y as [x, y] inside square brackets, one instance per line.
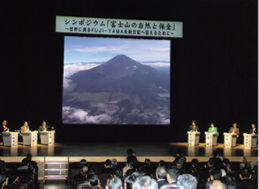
[170, 186]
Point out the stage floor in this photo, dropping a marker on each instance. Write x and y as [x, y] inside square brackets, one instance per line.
[120, 149]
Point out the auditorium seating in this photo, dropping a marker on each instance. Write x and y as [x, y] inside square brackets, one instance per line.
[74, 169]
[21, 179]
[29, 180]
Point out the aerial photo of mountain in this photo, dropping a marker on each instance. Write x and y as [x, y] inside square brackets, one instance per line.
[116, 81]
[119, 91]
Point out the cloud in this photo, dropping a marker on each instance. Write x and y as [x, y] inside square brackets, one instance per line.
[97, 49]
[70, 69]
[157, 64]
[80, 116]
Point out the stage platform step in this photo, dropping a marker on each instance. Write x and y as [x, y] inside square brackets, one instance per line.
[55, 168]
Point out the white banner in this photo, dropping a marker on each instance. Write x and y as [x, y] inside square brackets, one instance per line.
[122, 27]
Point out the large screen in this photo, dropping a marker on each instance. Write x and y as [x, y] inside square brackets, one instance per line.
[116, 81]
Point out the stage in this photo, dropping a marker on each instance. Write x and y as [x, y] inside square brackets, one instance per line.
[119, 149]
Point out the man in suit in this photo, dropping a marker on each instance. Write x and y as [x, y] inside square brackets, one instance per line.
[253, 129]
[234, 129]
[4, 127]
[193, 126]
[45, 127]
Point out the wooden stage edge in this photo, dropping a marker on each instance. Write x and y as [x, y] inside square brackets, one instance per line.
[119, 158]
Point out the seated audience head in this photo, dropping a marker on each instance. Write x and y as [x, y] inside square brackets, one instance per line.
[161, 163]
[83, 162]
[178, 153]
[215, 174]
[226, 162]
[195, 162]
[147, 162]
[245, 173]
[118, 173]
[145, 182]
[216, 184]
[93, 180]
[131, 156]
[180, 161]
[29, 156]
[114, 162]
[25, 161]
[131, 178]
[108, 163]
[84, 168]
[187, 181]
[172, 175]
[161, 173]
[114, 183]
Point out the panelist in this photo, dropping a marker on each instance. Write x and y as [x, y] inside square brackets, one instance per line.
[4, 127]
[234, 129]
[25, 128]
[212, 128]
[193, 126]
[45, 127]
[253, 129]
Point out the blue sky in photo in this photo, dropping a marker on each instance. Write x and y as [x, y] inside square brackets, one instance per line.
[100, 49]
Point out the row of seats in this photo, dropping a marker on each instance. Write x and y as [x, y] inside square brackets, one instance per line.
[19, 175]
[75, 168]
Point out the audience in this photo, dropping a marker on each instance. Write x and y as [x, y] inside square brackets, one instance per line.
[245, 179]
[161, 176]
[217, 173]
[216, 184]
[187, 181]
[19, 175]
[171, 176]
[131, 156]
[145, 182]
[114, 182]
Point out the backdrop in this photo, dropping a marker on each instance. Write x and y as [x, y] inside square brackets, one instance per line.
[213, 68]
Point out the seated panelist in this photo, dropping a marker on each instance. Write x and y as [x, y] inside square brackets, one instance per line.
[212, 128]
[193, 126]
[45, 127]
[25, 128]
[4, 126]
[234, 129]
[253, 129]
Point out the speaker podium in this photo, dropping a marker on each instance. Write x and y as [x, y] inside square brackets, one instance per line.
[47, 137]
[250, 140]
[10, 139]
[30, 138]
[211, 139]
[193, 138]
[230, 140]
